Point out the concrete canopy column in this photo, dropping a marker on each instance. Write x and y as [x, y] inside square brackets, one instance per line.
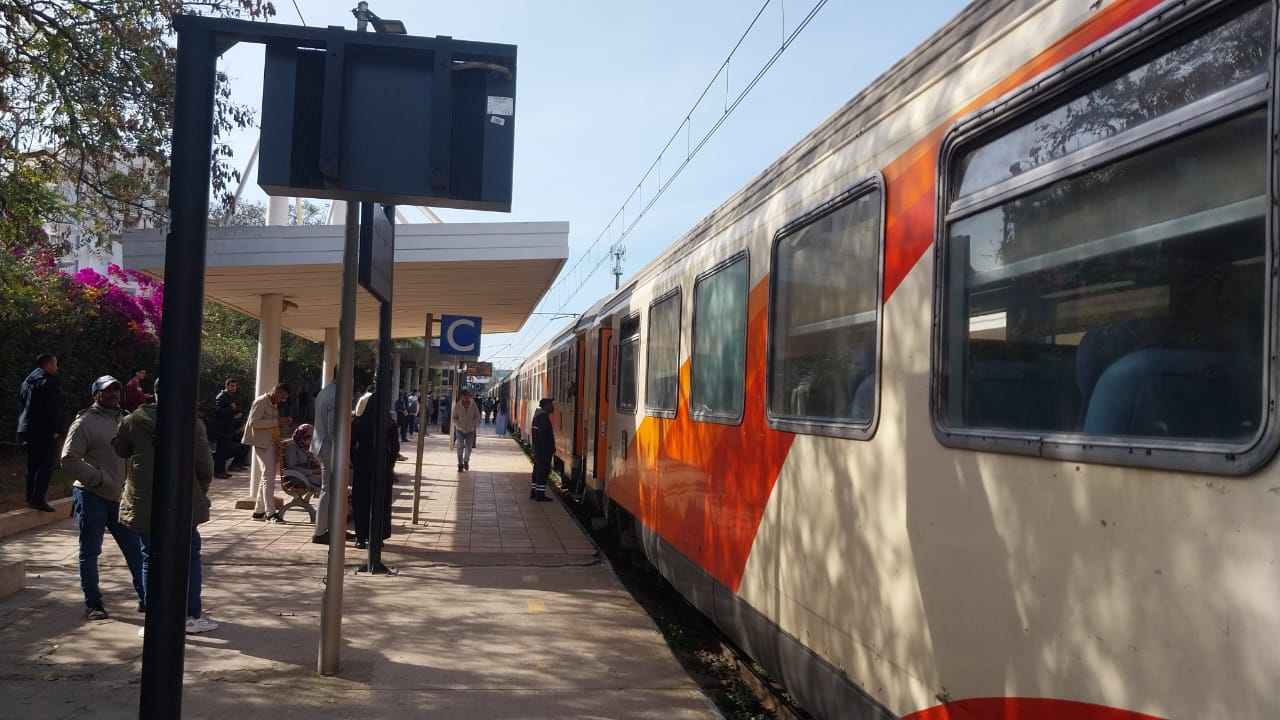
[278, 211]
[272, 310]
[330, 356]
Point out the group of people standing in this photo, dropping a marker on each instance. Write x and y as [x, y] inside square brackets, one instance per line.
[109, 450]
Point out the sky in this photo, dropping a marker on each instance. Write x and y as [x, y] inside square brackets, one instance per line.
[602, 85]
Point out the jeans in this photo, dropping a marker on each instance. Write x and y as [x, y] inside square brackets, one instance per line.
[194, 574]
[95, 515]
[42, 455]
[464, 441]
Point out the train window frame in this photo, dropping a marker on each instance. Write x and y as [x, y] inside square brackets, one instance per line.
[632, 343]
[720, 418]
[649, 408]
[817, 425]
[1141, 41]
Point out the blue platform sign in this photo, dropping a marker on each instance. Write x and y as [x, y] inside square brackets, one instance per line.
[459, 335]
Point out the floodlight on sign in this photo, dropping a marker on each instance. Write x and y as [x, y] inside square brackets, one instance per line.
[391, 27]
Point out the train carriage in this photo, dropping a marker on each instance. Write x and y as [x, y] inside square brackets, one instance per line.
[965, 407]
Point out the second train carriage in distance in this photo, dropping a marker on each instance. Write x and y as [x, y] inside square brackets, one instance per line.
[965, 407]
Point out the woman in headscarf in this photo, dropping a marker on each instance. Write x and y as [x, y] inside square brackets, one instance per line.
[298, 456]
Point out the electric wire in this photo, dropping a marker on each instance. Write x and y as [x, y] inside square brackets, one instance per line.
[575, 284]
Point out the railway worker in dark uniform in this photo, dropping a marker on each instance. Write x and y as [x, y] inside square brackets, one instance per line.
[544, 448]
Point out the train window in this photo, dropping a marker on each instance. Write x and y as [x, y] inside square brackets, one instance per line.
[663, 368]
[1116, 299]
[824, 327]
[718, 367]
[628, 344]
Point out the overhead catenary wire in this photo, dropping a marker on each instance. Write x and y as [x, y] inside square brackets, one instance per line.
[576, 277]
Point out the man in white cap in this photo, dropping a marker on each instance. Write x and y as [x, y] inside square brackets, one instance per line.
[99, 477]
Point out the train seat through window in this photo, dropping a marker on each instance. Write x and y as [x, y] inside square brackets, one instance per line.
[1189, 394]
[1037, 394]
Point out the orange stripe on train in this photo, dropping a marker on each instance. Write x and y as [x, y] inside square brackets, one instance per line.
[1023, 709]
[703, 487]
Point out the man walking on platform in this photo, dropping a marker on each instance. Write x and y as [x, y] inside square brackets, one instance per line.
[40, 427]
[100, 476]
[544, 448]
[466, 418]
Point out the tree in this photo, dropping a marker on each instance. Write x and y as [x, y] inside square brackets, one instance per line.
[86, 108]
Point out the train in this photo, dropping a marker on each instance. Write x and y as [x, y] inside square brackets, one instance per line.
[965, 407]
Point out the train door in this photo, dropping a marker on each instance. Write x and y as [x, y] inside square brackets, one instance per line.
[600, 433]
[576, 398]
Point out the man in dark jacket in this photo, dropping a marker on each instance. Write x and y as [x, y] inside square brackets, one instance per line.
[226, 415]
[136, 441]
[544, 448]
[40, 427]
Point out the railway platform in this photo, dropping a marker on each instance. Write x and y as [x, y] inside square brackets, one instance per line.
[500, 607]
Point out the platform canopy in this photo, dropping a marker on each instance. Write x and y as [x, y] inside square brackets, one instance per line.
[498, 271]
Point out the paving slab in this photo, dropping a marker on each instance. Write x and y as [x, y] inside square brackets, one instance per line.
[500, 608]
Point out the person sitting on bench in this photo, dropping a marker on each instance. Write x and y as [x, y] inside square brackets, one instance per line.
[299, 462]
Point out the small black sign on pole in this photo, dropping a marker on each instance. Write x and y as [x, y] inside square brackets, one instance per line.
[377, 262]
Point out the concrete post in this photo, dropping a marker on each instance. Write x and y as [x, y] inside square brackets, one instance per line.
[423, 398]
[395, 376]
[330, 355]
[269, 315]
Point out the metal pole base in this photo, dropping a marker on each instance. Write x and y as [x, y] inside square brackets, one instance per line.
[378, 569]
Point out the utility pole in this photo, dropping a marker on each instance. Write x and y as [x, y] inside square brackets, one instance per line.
[619, 252]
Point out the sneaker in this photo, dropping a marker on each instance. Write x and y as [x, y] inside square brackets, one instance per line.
[142, 607]
[466, 466]
[259, 515]
[320, 539]
[96, 612]
[41, 506]
[459, 467]
[275, 517]
[222, 476]
[202, 624]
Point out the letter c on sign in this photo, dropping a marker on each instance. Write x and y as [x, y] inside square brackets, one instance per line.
[453, 328]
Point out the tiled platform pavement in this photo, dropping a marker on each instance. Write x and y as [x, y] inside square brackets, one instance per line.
[500, 608]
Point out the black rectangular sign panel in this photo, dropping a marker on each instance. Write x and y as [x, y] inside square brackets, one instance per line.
[377, 249]
[392, 119]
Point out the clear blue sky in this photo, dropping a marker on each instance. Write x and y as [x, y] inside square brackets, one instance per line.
[602, 85]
